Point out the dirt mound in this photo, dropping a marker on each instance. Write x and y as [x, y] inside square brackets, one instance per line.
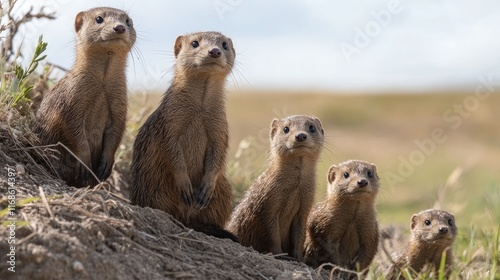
[66, 233]
[91, 234]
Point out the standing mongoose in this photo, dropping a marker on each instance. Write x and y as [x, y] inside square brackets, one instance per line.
[179, 156]
[432, 235]
[343, 229]
[86, 110]
[273, 212]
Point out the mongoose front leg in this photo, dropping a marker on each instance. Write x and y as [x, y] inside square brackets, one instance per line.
[207, 189]
[274, 239]
[209, 180]
[106, 163]
[214, 162]
[298, 235]
[366, 252]
[108, 157]
[181, 177]
[84, 175]
[111, 140]
[185, 187]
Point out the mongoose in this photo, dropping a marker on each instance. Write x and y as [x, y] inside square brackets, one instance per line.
[432, 234]
[343, 229]
[86, 110]
[179, 156]
[272, 215]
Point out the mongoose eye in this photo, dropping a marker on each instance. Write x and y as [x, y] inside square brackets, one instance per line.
[370, 174]
[346, 175]
[286, 129]
[224, 46]
[451, 223]
[128, 22]
[195, 44]
[99, 20]
[427, 222]
[312, 129]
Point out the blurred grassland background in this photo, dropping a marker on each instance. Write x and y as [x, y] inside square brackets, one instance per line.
[461, 174]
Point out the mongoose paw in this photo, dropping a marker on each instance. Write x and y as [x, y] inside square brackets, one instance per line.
[83, 177]
[104, 170]
[299, 256]
[206, 194]
[186, 193]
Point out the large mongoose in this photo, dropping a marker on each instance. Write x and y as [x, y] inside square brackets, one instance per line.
[179, 155]
[86, 110]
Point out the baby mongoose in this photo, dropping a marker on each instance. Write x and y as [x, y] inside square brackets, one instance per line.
[179, 156]
[343, 229]
[273, 213]
[432, 234]
[86, 110]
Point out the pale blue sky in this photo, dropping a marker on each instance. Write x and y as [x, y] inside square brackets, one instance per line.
[305, 44]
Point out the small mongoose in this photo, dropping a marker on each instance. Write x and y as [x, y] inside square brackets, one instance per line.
[272, 215]
[432, 235]
[343, 229]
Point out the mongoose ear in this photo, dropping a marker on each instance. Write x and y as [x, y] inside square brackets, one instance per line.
[452, 217]
[318, 123]
[374, 167]
[274, 128]
[79, 21]
[232, 47]
[331, 174]
[178, 45]
[413, 221]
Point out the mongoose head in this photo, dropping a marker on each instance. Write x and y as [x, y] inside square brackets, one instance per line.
[296, 135]
[105, 28]
[433, 227]
[204, 52]
[354, 179]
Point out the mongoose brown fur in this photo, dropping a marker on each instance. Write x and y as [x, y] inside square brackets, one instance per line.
[86, 110]
[272, 216]
[179, 155]
[343, 229]
[432, 235]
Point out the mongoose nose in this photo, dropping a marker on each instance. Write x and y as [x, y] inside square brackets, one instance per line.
[443, 230]
[119, 29]
[301, 137]
[362, 183]
[215, 53]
